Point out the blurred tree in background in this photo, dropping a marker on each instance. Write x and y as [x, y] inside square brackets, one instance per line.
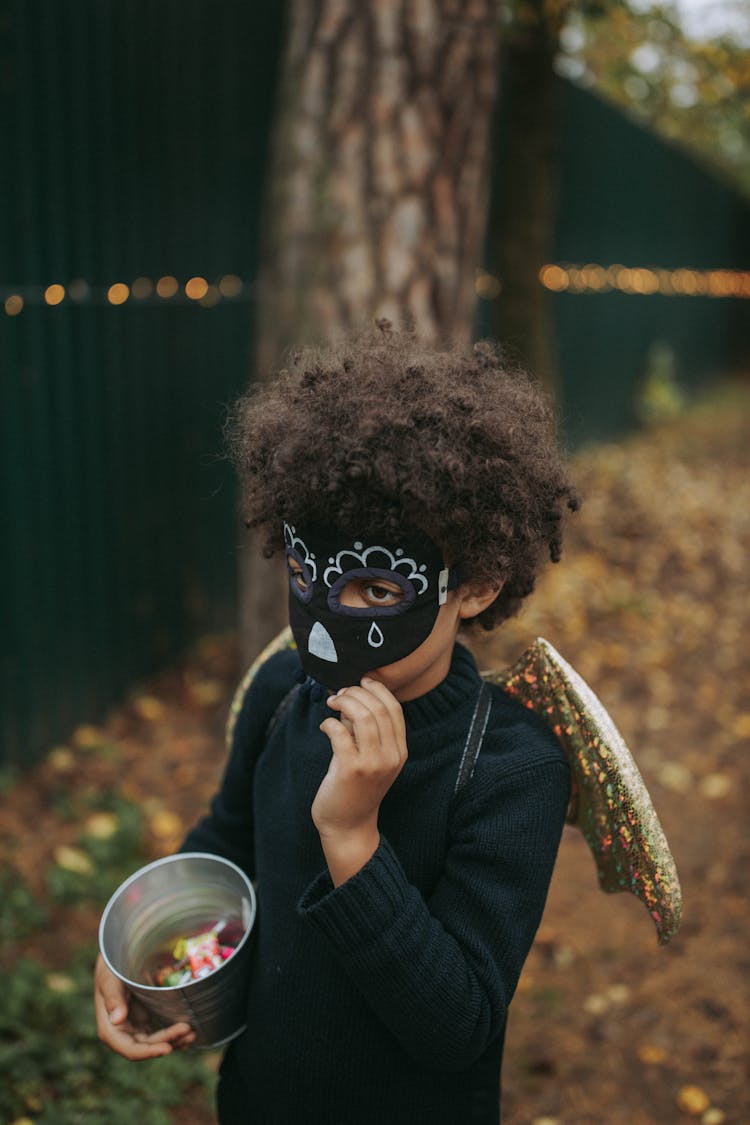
[526, 173]
[694, 91]
[377, 188]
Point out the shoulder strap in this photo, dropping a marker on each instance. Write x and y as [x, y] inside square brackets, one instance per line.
[474, 738]
[281, 710]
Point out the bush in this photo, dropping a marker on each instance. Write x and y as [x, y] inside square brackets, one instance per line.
[58, 1073]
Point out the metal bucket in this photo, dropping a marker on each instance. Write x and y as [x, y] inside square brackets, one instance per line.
[168, 899]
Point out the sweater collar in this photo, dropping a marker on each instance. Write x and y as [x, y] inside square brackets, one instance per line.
[459, 687]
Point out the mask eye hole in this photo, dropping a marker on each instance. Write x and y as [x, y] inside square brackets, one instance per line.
[300, 578]
[373, 593]
[369, 592]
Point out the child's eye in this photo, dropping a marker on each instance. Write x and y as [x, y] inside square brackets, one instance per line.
[377, 594]
[361, 592]
[297, 576]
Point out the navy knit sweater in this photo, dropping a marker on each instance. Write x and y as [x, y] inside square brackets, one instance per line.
[385, 1000]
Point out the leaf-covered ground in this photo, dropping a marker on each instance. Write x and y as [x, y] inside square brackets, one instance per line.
[651, 604]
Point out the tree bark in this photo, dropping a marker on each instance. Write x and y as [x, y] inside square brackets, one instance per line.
[525, 198]
[377, 192]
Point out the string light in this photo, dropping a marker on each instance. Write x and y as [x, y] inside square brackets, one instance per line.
[54, 294]
[118, 293]
[645, 281]
[166, 287]
[196, 288]
[230, 285]
[142, 287]
[554, 276]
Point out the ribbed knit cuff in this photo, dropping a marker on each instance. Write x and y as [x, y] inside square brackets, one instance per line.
[357, 912]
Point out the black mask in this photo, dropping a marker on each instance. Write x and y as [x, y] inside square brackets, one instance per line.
[339, 643]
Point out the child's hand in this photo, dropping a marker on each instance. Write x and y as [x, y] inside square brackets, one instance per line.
[122, 1022]
[369, 751]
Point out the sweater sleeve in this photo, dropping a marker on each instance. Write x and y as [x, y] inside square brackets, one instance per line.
[229, 828]
[440, 973]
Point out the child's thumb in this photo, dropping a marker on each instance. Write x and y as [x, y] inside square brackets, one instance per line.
[115, 1000]
[117, 1009]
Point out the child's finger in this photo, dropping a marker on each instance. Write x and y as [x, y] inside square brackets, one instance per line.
[367, 717]
[391, 704]
[172, 1034]
[131, 1048]
[121, 1038]
[184, 1041]
[376, 727]
[340, 735]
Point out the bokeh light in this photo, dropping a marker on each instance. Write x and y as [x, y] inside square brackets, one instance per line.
[167, 286]
[54, 294]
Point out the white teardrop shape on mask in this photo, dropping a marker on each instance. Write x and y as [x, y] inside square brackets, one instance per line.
[375, 638]
[320, 643]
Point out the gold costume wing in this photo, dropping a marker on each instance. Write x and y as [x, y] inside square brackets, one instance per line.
[609, 803]
[281, 641]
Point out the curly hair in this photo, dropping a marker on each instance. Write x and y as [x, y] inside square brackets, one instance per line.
[383, 431]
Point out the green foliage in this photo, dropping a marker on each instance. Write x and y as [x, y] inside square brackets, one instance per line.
[105, 859]
[20, 913]
[694, 92]
[660, 397]
[56, 1070]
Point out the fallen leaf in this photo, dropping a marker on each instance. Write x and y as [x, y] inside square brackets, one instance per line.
[148, 707]
[166, 825]
[101, 825]
[675, 776]
[693, 1100]
[741, 725]
[88, 737]
[618, 994]
[60, 982]
[206, 693]
[564, 957]
[62, 759]
[73, 859]
[651, 1054]
[595, 1004]
[715, 786]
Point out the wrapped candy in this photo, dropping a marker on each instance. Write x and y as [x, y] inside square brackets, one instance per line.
[194, 957]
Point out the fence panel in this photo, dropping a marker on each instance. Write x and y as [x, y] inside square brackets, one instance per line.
[134, 143]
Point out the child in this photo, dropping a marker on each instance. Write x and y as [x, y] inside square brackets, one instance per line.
[414, 490]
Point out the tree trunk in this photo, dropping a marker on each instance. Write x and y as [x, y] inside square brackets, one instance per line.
[377, 190]
[526, 197]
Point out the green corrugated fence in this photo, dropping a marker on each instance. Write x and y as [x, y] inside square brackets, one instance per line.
[134, 138]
